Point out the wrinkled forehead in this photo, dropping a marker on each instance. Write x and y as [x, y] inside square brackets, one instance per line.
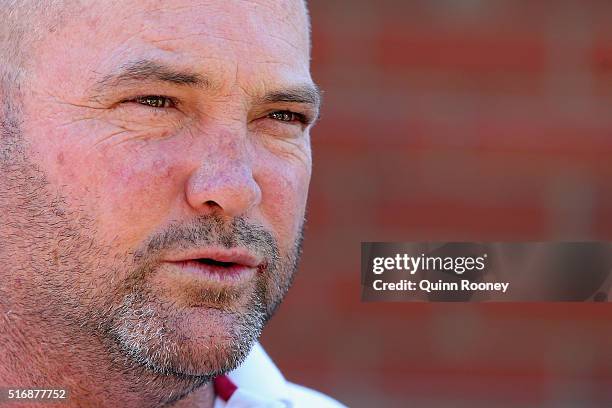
[264, 24]
[240, 38]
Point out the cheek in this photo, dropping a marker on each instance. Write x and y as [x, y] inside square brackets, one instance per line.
[284, 193]
[138, 193]
[127, 192]
[136, 185]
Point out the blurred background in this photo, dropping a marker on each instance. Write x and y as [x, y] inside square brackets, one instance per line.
[484, 120]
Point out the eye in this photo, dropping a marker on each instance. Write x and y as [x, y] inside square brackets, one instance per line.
[155, 101]
[287, 116]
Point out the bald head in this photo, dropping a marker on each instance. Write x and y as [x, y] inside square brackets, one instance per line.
[25, 22]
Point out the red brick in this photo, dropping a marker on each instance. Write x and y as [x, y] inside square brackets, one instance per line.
[457, 50]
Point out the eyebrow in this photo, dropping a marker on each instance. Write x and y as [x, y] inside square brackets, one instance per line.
[306, 94]
[149, 70]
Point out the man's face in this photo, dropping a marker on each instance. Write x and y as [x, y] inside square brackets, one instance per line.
[159, 200]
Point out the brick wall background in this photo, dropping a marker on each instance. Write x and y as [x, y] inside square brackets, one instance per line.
[453, 120]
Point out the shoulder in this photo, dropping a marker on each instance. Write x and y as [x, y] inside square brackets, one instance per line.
[302, 397]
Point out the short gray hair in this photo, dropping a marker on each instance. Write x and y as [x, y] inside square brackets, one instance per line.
[23, 22]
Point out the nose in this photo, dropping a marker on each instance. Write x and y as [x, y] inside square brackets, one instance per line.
[224, 187]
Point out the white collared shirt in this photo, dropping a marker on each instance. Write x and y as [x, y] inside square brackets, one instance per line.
[261, 385]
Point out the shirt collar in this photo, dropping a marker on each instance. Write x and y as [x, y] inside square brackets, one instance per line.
[259, 375]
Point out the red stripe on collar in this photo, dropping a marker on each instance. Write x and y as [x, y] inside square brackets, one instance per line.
[224, 387]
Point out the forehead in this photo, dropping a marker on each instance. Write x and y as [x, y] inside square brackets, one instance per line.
[239, 40]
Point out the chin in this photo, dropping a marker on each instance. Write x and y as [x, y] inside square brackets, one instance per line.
[197, 341]
[213, 342]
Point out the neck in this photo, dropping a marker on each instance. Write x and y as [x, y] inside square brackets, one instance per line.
[42, 355]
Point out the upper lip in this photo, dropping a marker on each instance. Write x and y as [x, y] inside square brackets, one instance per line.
[239, 256]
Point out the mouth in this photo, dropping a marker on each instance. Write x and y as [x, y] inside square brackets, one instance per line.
[219, 265]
